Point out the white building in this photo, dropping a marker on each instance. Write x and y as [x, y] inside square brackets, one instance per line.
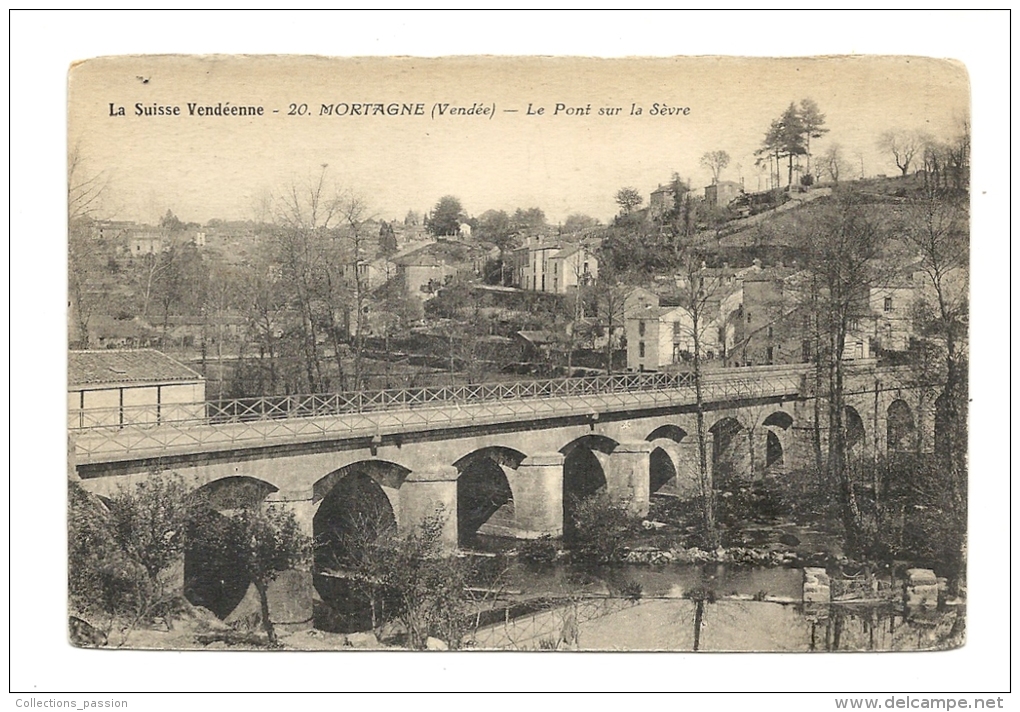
[555, 267]
[122, 387]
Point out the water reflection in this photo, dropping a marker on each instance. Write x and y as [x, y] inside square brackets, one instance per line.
[707, 608]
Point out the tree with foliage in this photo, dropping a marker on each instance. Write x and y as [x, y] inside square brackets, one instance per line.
[578, 222]
[121, 555]
[715, 162]
[813, 122]
[387, 240]
[495, 226]
[266, 541]
[446, 217]
[528, 220]
[629, 200]
[412, 219]
[786, 138]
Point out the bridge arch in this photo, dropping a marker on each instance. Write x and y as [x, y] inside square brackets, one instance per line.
[901, 431]
[485, 496]
[355, 510]
[662, 469]
[584, 473]
[730, 453]
[856, 435]
[213, 577]
[667, 432]
[776, 425]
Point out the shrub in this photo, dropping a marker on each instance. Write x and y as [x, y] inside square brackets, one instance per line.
[422, 582]
[600, 526]
[539, 552]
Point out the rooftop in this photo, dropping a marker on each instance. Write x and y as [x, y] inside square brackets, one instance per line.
[125, 366]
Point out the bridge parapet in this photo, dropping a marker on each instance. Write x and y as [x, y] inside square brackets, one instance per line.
[229, 425]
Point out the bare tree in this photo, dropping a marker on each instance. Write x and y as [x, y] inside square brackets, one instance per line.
[936, 228]
[846, 240]
[834, 162]
[306, 217]
[354, 214]
[698, 292]
[84, 195]
[903, 145]
[606, 296]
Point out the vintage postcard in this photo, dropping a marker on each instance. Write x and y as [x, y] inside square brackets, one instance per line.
[501, 353]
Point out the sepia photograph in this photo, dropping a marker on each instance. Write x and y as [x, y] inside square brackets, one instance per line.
[518, 353]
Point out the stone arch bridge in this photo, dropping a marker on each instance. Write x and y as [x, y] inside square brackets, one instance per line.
[501, 459]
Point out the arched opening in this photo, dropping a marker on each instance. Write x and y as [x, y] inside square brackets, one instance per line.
[730, 453]
[900, 430]
[485, 502]
[660, 470]
[583, 475]
[853, 424]
[354, 516]
[213, 577]
[773, 451]
[668, 432]
[779, 419]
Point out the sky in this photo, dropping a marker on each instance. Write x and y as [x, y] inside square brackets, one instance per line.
[563, 161]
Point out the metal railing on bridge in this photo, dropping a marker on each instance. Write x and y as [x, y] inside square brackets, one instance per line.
[108, 433]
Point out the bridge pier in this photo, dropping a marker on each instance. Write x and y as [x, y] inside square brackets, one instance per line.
[627, 477]
[537, 484]
[290, 594]
[688, 474]
[427, 493]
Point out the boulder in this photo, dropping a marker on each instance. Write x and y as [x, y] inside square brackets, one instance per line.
[436, 644]
[366, 640]
[817, 586]
[924, 596]
[921, 577]
[84, 635]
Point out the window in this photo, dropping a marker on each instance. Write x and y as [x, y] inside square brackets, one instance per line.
[641, 349]
[887, 304]
[805, 351]
[641, 328]
[676, 329]
[770, 332]
[769, 355]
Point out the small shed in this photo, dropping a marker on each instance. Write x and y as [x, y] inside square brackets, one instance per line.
[130, 386]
